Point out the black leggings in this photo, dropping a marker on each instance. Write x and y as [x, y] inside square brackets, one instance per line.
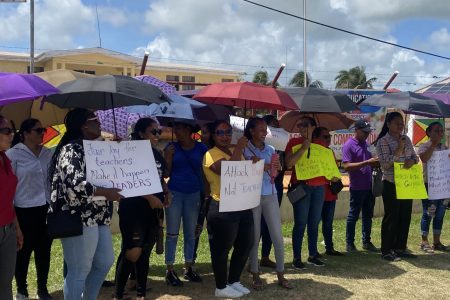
[32, 222]
[227, 230]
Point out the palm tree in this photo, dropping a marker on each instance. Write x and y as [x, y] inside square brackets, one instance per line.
[261, 77]
[298, 80]
[355, 78]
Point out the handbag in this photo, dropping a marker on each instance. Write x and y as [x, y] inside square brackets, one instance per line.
[295, 192]
[63, 224]
[336, 187]
[377, 182]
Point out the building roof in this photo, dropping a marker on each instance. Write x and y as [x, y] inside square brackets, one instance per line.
[439, 87]
[151, 65]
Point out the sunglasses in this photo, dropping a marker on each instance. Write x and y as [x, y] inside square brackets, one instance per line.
[303, 125]
[156, 131]
[93, 119]
[40, 130]
[6, 131]
[227, 132]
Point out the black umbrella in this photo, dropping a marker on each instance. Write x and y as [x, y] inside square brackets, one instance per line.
[313, 99]
[409, 102]
[106, 92]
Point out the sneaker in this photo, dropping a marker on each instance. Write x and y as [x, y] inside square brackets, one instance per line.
[370, 247]
[315, 261]
[266, 262]
[228, 292]
[297, 264]
[192, 276]
[351, 248]
[240, 288]
[391, 257]
[405, 254]
[441, 247]
[20, 296]
[172, 279]
[44, 295]
[333, 252]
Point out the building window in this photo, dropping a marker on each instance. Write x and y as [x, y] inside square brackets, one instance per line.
[36, 69]
[86, 71]
[188, 87]
[227, 80]
[172, 79]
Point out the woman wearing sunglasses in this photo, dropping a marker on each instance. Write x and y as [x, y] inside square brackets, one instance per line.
[30, 161]
[88, 256]
[11, 238]
[308, 210]
[140, 219]
[257, 149]
[226, 229]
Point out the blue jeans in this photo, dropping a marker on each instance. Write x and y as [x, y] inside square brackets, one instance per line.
[89, 258]
[307, 211]
[437, 220]
[327, 223]
[360, 201]
[186, 206]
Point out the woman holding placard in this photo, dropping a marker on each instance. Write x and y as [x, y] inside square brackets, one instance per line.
[88, 256]
[226, 229]
[432, 209]
[256, 131]
[394, 147]
[140, 220]
[308, 209]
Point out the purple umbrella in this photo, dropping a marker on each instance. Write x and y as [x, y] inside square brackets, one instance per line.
[124, 120]
[20, 87]
[442, 97]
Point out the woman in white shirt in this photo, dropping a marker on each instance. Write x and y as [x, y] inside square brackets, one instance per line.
[30, 162]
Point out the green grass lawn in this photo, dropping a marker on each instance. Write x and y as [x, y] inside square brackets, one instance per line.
[360, 275]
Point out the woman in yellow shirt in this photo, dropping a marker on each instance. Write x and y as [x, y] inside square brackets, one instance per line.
[226, 229]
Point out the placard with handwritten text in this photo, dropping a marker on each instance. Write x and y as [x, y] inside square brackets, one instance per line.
[439, 175]
[129, 166]
[319, 162]
[409, 182]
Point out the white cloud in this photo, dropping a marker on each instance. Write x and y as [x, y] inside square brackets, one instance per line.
[440, 39]
[117, 17]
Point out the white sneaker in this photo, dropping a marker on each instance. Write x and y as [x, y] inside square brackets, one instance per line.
[240, 288]
[228, 292]
[20, 296]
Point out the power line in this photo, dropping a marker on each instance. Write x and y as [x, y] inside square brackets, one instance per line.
[346, 31]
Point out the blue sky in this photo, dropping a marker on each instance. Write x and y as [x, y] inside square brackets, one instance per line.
[234, 34]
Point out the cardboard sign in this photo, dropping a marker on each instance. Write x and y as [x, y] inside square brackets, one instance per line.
[439, 175]
[129, 166]
[240, 185]
[276, 137]
[320, 162]
[409, 182]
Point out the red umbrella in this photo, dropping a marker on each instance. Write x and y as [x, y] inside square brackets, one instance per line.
[246, 95]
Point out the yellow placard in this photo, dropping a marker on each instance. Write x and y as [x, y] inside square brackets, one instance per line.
[320, 162]
[409, 182]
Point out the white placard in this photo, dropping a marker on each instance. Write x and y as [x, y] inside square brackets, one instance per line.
[439, 175]
[276, 137]
[129, 166]
[240, 185]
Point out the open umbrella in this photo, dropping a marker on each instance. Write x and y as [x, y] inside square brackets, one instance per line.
[246, 95]
[409, 102]
[49, 114]
[332, 121]
[311, 99]
[441, 97]
[167, 88]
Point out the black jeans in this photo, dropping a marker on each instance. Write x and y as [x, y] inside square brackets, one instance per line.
[396, 220]
[227, 230]
[265, 236]
[33, 223]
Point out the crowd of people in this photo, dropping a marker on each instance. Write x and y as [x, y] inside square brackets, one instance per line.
[36, 182]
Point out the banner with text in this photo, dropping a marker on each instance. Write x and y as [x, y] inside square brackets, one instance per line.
[240, 185]
[276, 137]
[319, 162]
[409, 182]
[439, 175]
[129, 166]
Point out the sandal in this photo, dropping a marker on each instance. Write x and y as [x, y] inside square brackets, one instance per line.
[257, 283]
[425, 247]
[284, 283]
[441, 247]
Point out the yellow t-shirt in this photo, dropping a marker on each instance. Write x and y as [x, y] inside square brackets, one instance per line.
[209, 159]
